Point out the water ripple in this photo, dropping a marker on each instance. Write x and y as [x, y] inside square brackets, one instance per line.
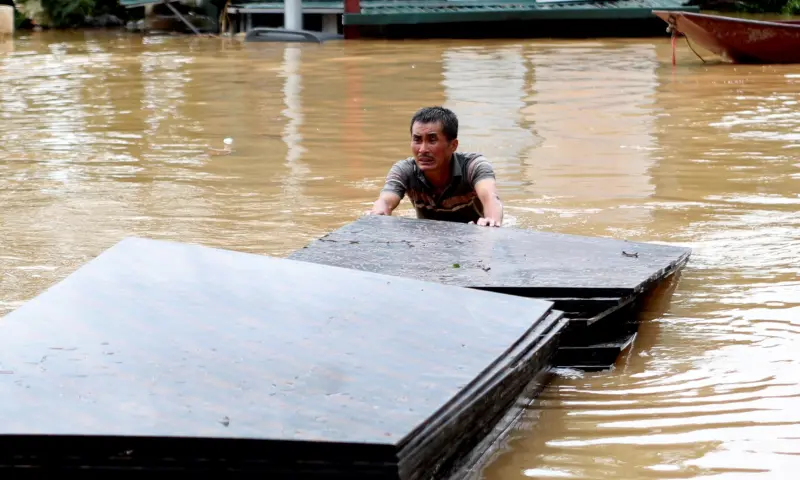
[108, 135]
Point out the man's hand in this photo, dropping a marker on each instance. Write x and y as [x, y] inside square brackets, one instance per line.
[385, 204]
[488, 222]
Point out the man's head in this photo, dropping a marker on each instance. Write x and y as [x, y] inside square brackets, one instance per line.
[434, 137]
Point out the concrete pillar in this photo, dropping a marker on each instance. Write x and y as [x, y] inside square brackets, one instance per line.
[6, 21]
[293, 14]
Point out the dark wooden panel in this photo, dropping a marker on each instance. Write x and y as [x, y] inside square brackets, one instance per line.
[452, 441]
[475, 392]
[536, 339]
[592, 357]
[167, 339]
[499, 258]
[123, 457]
[497, 439]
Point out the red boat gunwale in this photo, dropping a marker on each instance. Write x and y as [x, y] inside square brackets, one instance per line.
[739, 40]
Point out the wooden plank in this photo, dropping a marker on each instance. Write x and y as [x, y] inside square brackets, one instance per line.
[597, 282]
[162, 339]
[598, 356]
[495, 258]
[232, 457]
[474, 419]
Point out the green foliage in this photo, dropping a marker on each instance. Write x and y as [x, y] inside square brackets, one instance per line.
[792, 7]
[111, 7]
[770, 6]
[789, 7]
[20, 20]
[68, 13]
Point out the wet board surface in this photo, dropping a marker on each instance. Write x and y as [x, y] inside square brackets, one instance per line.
[464, 423]
[156, 338]
[502, 258]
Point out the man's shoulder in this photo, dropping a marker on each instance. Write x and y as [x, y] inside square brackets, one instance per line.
[475, 167]
[406, 166]
[406, 162]
[469, 161]
[471, 157]
[403, 169]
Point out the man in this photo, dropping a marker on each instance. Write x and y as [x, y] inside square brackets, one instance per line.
[441, 183]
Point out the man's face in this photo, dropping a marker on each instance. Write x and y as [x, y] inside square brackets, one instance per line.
[431, 149]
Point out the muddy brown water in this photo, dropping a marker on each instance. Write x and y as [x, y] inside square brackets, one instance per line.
[107, 135]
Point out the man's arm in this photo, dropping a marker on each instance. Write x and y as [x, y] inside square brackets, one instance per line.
[385, 204]
[492, 206]
[393, 190]
[481, 175]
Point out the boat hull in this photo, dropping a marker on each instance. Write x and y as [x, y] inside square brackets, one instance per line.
[739, 40]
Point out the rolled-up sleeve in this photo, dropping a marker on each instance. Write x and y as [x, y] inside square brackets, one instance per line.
[479, 169]
[397, 180]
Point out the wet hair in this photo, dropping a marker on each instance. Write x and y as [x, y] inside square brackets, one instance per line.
[441, 115]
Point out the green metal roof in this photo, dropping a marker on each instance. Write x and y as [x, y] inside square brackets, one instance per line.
[397, 12]
[415, 12]
[138, 3]
[309, 6]
[539, 5]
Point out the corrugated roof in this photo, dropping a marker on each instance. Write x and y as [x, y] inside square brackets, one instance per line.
[468, 5]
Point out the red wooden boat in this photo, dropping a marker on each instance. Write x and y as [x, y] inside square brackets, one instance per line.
[739, 40]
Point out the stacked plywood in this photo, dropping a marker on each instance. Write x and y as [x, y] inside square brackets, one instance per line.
[598, 282]
[161, 356]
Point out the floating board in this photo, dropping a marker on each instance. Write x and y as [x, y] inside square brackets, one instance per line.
[159, 354]
[514, 260]
[597, 282]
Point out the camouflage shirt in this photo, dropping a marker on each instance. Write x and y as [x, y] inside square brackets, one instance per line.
[458, 202]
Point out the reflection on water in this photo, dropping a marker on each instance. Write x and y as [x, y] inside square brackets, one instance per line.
[107, 135]
[608, 145]
[488, 88]
[294, 118]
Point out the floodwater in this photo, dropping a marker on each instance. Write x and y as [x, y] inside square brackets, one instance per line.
[107, 135]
